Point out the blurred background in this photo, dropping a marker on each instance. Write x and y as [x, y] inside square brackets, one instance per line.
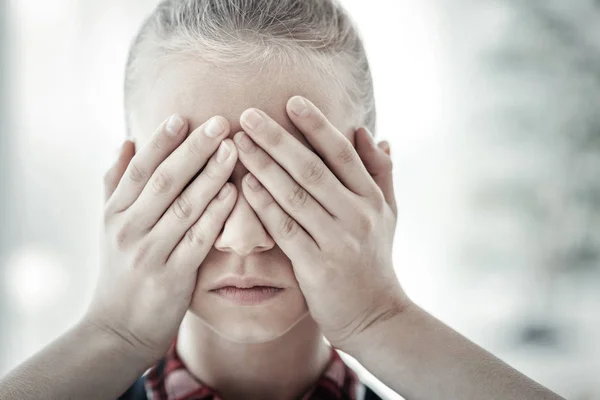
[490, 109]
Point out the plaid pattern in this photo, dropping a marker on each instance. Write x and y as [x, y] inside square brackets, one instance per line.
[169, 379]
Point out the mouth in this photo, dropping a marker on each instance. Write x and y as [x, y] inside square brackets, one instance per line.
[245, 282]
[247, 296]
[246, 290]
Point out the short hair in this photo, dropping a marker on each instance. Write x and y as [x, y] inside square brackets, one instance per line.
[316, 33]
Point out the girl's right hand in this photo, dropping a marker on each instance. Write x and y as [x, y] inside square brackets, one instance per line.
[155, 236]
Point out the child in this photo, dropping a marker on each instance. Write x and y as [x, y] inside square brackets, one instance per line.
[200, 58]
[207, 290]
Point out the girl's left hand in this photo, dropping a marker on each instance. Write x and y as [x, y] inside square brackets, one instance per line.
[333, 216]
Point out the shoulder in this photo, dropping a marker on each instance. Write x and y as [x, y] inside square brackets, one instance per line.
[136, 391]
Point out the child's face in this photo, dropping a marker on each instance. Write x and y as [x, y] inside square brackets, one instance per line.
[244, 246]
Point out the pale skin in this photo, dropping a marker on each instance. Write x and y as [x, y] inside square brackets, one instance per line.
[330, 210]
[279, 343]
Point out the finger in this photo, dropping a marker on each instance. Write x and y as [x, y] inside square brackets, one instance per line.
[378, 163]
[192, 202]
[171, 176]
[385, 146]
[304, 166]
[192, 249]
[334, 147]
[145, 161]
[292, 197]
[115, 173]
[293, 240]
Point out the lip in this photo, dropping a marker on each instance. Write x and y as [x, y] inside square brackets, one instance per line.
[243, 282]
[247, 297]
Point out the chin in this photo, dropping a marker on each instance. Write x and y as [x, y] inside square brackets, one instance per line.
[258, 323]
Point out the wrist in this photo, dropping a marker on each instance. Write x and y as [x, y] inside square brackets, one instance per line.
[387, 320]
[114, 343]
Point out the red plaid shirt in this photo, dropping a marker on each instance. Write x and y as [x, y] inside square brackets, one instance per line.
[169, 379]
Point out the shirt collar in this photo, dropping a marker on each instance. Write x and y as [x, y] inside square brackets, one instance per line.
[169, 379]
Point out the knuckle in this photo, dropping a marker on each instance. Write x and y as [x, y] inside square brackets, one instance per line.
[194, 145]
[365, 223]
[265, 162]
[379, 201]
[182, 208]
[313, 171]
[195, 236]
[288, 227]
[353, 246]
[209, 214]
[156, 143]
[136, 173]
[162, 182]
[318, 123]
[141, 255]
[210, 174]
[297, 197]
[340, 245]
[265, 203]
[121, 238]
[274, 137]
[346, 154]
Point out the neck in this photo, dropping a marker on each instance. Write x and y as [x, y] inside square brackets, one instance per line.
[284, 368]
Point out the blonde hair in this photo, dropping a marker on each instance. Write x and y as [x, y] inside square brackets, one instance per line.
[317, 33]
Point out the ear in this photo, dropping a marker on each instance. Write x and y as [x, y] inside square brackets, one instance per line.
[378, 162]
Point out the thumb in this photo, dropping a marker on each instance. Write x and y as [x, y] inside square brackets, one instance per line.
[378, 162]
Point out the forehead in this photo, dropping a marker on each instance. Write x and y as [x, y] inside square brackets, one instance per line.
[199, 91]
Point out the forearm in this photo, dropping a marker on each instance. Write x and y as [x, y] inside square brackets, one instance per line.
[83, 363]
[420, 357]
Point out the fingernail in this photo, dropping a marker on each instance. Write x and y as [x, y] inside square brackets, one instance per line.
[298, 106]
[386, 147]
[214, 127]
[174, 125]
[253, 182]
[224, 192]
[223, 152]
[253, 119]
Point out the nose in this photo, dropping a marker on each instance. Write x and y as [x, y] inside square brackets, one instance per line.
[243, 232]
